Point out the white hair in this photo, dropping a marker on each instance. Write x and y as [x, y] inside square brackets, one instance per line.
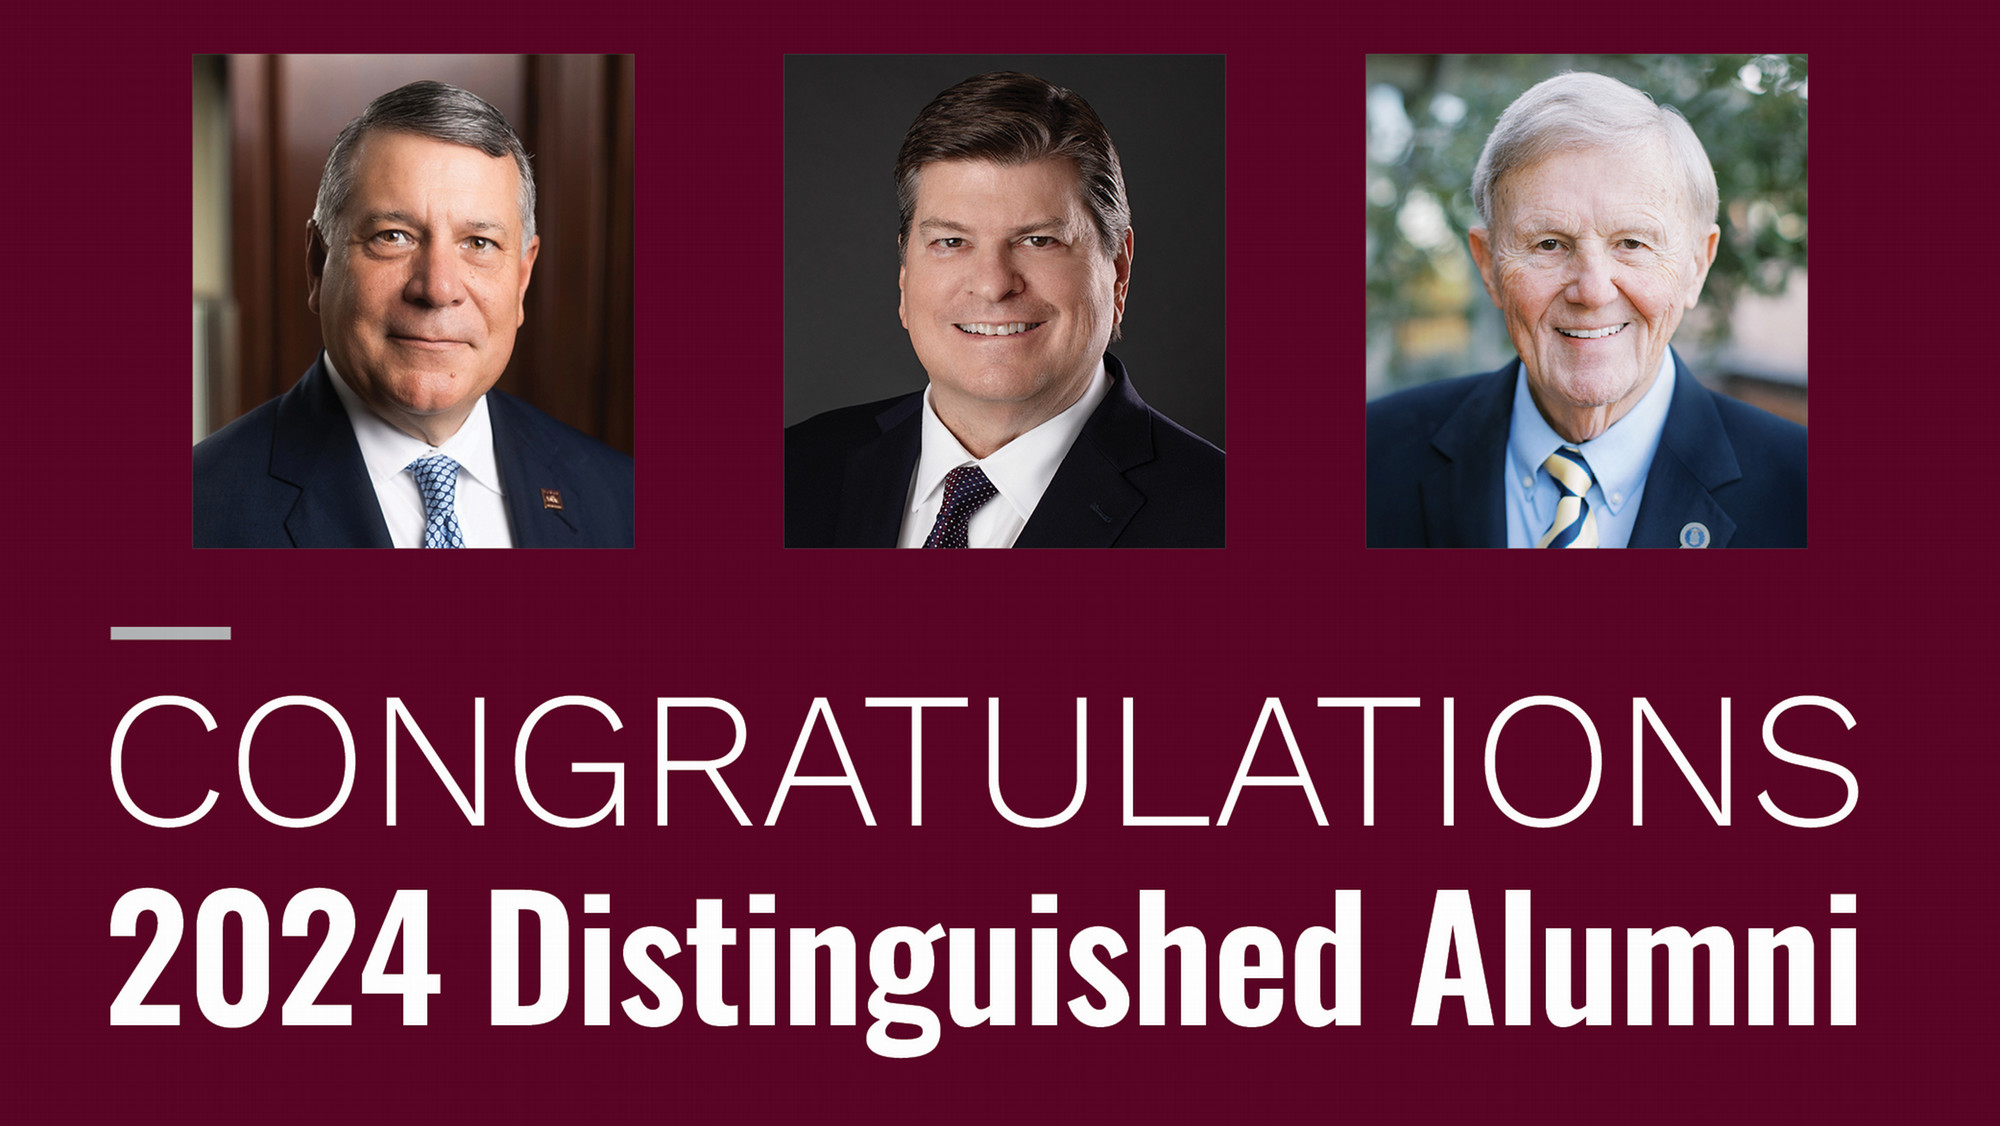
[1591, 111]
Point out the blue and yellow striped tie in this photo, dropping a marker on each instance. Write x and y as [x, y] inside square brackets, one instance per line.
[1574, 525]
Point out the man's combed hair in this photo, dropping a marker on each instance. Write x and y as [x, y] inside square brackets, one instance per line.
[1011, 118]
[429, 109]
[1590, 111]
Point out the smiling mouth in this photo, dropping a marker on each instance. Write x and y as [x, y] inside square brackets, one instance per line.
[1014, 328]
[1592, 333]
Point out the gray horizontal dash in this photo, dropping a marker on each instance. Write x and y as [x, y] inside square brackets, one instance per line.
[170, 633]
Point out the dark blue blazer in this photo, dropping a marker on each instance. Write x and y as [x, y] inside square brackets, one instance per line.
[289, 474]
[1437, 455]
[1134, 478]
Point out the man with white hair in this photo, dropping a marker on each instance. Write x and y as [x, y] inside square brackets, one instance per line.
[1597, 212]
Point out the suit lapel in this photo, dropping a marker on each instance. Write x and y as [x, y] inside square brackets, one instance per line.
[527, 467]
[1694, 459]
[876, 482]
[1675, 497]
[1089, 501]
[313, 449]
[1464, 500]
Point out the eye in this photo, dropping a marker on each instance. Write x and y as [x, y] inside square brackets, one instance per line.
[950, 242]
[1041, 241]
[1548, 244]
[1631, 244]
[393, 238]
[480, 242]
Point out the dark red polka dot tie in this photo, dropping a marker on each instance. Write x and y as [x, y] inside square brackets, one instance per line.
[965, 489]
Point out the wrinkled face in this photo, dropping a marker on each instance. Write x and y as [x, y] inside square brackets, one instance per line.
[1006, 293]
[419, 292]
[1593, 258]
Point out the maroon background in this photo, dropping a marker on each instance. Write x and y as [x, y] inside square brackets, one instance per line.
[1888, 612]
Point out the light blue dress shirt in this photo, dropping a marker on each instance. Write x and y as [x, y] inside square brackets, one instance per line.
[1619, 459]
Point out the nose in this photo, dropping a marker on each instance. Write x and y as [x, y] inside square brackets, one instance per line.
[435, 277]
[1590, 282]
[995, 275]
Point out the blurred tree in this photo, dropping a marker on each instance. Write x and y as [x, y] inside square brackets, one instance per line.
[1428, 116]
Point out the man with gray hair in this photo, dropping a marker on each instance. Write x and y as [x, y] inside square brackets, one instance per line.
[419, 252]
[1597, 210]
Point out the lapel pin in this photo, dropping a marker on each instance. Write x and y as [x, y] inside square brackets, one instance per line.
[1693, 533]
[552, 498]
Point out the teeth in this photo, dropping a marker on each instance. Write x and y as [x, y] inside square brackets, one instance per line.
[1591, 334]
[997, 330]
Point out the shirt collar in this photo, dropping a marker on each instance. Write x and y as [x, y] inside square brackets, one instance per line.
[1022, 469]
[387, 451]
[1618, 458]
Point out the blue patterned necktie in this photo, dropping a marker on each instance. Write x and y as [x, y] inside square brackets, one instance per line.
[437, 479]
[965, 489]
[1575, 525]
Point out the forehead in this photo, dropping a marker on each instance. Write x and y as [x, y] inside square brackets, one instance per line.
[968, 190]
[407, 168]
[1607, 183]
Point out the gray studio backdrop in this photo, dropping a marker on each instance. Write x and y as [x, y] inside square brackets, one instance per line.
[844, 120]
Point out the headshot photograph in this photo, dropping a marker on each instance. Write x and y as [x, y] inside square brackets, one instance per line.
[1617, 246]
[413, 301]
[1004, 301]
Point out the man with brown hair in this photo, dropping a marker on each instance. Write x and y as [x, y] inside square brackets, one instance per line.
[1016, 246]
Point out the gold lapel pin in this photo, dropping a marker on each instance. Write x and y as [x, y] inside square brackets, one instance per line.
[552, 498]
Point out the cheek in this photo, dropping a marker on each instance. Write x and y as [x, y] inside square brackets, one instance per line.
[1524, 295]
[921, 290]
[1660, 298]
[368, 292]
[1093, 289]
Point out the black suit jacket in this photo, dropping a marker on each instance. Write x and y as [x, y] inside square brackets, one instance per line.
[290, 474]
[1437, 455]
[1133, 479]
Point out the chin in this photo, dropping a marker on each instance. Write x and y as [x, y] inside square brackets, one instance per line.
[1594, 393]
[433, 393]
[980, 377]
[1000, 386]
[1595, 387]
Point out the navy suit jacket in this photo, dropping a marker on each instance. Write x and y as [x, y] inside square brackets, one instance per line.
[1437, 455]
[290, 474]
[1134, 478]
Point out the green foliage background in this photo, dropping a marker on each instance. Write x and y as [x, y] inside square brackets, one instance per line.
[1748, 110]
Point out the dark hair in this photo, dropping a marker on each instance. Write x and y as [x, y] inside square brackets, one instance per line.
[428, 109]
[1012, 118]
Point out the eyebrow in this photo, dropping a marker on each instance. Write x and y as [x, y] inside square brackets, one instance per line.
[1052, 223]
[1533, 224]
[406, 219]
[403, 217]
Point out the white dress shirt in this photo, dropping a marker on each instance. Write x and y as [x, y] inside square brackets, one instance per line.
[1021, 470]
[1619, 459]
[387, 452]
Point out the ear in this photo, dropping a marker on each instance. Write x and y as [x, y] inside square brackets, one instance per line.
[1704, 257]
[901, 315]
[315, 264]
[527, 269]
[1482, 255]
[1122, 263]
